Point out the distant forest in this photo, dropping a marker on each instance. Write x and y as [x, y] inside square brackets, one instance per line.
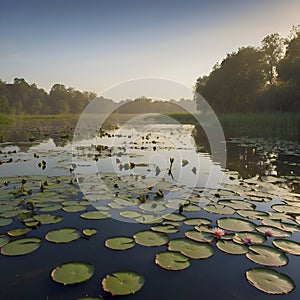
[266, 78]
[261, 79]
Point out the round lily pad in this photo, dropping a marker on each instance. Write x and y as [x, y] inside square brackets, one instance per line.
[275, 231]
[63, 235]
[237, 204]
[199, 236]
[18, 232]
[123, 283]
[95, 215]
[21, 246]
[51, 208]
[4, 239]
[74, 208]
[171, 260]
[235, 224]
[252, 214]
[288, 246]
[5, 221]
[281, 225]
[267, 256]
[219, 209]
[231, 247]
[89, 231]
[72, 273]
[149, 238]
[270, 281]
[149, 219]
[197, 221]
[154, 207]
[167, 228]
[191, 248]
[174, 217]
[249, 238]
[120, 243]
[47, 218]
[130, 214]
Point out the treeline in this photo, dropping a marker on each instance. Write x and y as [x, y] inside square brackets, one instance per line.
[265, 78]
[20, 97]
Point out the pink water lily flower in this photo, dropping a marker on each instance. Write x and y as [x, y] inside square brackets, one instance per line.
[247, 240]
[218, 232]
[268, 232]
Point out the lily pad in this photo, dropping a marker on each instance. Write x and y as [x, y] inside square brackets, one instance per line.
[267, 256]
[219, 209]
[191, 248]
[4, 239]
[149, 219]
[252, 214]
[72, 273]
[63, 235]
[130, 214]
[249, 238]
[231, 247]
[199, 236]
[47, 218]
[74, 208]
[120, 243]
[171, 260]
[18, 232]
[89, 231]
[149, 238]
[51, 208]
[154, 207]
[123, 283]
[235, 224]
[288, 246]
[270, 281]
[275, 231]
[5, 221]
[21, 246]
[197, 221]
[95, 215]
[174, 217]
[168, 228]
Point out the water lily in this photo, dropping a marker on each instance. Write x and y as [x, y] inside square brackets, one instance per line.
[247, 240]
[218, 232]
[268, 232]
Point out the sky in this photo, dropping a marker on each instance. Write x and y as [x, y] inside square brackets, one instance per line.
[93, 45]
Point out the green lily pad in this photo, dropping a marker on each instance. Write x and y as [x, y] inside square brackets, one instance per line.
[231, 247]
[74, 208]
[123, 283]
[5, 221]
[219, 209]
[267, 256]
[249, 238]
[199, 236]
[167, 228]
[281, 225]
[120, 243]
[235, 224]
[171, 260]
[51, 208]
[47, 218]
[275, 231]
[72, 273]
[95, 215]
[89, 231]
[288, 209]
[288, 246]
[63, 235]
[4, 239]
[33, 223]
[130, 214]
[154, 207]
[252, 214]
[149, 238]
[18, 232]
[191, 248]
[237, 204]
[270, 281]
[149, 219]
[9, 214]
[197, 221]
[174, 217]
[21, 246]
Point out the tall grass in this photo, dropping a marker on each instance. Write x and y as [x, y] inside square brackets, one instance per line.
[6, 119]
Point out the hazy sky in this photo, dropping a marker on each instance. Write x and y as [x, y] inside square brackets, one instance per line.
[95, 44]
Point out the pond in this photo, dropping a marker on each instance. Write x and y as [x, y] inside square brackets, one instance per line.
[179, 224]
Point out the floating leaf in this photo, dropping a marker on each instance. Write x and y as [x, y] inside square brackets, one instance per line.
[4, 239]
[51, 208]
[191, 248]
[89, 231]
[288, 209]
[197, 221]
[231, 247]
[95, 215]
[267, 256]
[154, 207]
[275, 231]
[252, 214]
[120, 243]
[123, 283]
[130, 214]
[74, 208]
[288, 246]
[199, 236]
[63, 235]
[281, 225]
[47, 218]
[270, 281]
[219, 209]
[171, 260]
[235, 224]
[18, 232]
[149, 238]
[149, 219]
[5, 221]
[255, 238]
[237, 204]
[72, 273]
[168, 228]
[174, 217]
[21, 246]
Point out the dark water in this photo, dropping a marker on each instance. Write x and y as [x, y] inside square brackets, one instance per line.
[221, 276]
